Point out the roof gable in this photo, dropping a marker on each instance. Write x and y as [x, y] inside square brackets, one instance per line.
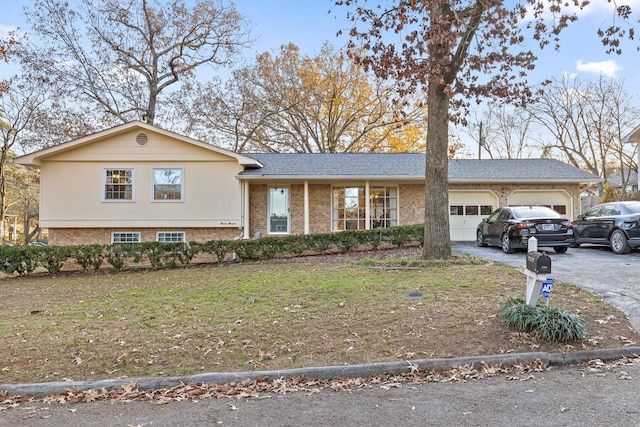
[98, 142]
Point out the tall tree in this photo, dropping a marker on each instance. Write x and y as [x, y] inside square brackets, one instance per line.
[501, 132]
[289, 102]
[122, 54]
[19, 104]
[24, 200]
[454, 51]
[5, 46]
[586, 122]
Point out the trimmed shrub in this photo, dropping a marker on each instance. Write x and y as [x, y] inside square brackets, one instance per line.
[246, 250]
[164, 254]
[217, 248]
[17, 259]
[89, 255]
[24, 259]
[52, 258]
[345, 241]
[117, 255]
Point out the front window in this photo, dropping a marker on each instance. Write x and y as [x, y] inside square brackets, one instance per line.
[167, 184]
[118, 184]
[170, 236]
[348, 211]
[125, 237]
[383, 208]
[349, 204]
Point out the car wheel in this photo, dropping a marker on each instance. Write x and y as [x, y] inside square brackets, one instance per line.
[507, 247]
[480, 239]
[619, 243]
[560, 249]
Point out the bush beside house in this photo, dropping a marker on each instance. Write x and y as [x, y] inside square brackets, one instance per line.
[24, 260]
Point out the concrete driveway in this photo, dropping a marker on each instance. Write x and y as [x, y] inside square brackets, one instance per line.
[597, 269]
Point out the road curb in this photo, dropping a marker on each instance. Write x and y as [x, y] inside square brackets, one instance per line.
[325, 372]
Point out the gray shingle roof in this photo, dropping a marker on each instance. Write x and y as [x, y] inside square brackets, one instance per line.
[408, 166]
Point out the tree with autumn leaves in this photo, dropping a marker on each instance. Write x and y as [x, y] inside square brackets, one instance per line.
[289, 102]
[454, 52]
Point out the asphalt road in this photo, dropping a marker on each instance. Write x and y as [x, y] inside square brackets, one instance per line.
[559, 397]
[597, 269]
[595, 395]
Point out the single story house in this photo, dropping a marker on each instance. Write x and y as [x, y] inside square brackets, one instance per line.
[136, 182]
[626, 180]
[633, 137]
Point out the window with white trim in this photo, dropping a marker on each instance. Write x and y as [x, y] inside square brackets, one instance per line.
[167, 184]
[119, 184]
[349, 206]
[170, 236]
[125, 237]
[383, 207]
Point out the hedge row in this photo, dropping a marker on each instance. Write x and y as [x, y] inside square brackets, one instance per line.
[23, 260]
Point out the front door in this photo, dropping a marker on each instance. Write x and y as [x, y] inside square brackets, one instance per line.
[278, 220]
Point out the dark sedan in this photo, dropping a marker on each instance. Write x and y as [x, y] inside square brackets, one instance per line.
[615, 224]
[511, 228]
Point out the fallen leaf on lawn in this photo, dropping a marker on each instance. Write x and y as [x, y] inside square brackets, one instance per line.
[624, 340]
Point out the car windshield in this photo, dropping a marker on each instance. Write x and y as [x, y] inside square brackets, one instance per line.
[534, 212]
[634, 208]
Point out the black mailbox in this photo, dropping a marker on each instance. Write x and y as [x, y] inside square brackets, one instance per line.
[538, 262]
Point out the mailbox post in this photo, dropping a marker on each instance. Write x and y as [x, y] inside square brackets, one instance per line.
[537, 269]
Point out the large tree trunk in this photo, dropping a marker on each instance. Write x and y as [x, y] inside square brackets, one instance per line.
[3, 191]
[437, 242]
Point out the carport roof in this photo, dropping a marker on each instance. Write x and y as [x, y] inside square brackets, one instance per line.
[408, 166]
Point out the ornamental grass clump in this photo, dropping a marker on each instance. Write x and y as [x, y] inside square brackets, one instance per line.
[548, 323]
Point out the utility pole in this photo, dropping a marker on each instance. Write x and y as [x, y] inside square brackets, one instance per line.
[480, 142]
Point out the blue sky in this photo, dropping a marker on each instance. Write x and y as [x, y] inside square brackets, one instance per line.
[308, 24]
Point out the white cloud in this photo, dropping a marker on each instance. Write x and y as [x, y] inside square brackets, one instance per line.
[608, 68]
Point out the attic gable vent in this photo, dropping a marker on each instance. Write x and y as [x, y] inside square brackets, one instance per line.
[142, 138]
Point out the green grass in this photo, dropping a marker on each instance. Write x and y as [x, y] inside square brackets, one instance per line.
[267, 315]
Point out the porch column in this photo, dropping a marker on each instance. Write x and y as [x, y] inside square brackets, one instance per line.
[245, 210]
[306, 207]
[367, 206]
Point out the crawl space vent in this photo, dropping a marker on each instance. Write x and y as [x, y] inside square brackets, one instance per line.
[142, 138]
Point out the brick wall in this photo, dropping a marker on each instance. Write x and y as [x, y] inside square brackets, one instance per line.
[411, 200]
[87, 236]
[410, 204]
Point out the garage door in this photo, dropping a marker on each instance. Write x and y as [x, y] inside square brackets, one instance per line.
[558, 200]
[466, 210]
